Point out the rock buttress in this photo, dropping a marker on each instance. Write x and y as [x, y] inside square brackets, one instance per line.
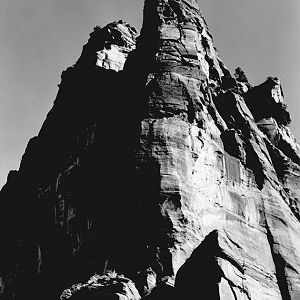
[211, 166]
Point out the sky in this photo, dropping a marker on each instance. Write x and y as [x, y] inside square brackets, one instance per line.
[41, 38]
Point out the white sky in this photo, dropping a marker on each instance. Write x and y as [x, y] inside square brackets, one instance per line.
[41, 38]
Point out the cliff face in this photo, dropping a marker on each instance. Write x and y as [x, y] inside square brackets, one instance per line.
[156, 163]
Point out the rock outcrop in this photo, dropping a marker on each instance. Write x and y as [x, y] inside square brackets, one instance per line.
[156, 163]
[108, 47]
[107, 286]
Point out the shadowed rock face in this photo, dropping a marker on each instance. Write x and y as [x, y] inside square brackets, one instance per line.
[155, 163]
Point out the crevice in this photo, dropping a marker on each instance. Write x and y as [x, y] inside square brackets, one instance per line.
[279, 160]
[232, 285]
[232, 241]
[175, 6]
[254, 164]
[233, 144]
[233, 292]
[280, 265]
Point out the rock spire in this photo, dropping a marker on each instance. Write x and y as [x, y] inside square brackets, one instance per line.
[158, 171]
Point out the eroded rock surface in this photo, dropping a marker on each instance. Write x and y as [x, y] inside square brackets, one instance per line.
[108, 47]
[108, 286]
[169, 171]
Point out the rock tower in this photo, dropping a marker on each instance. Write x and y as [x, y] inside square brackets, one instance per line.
[156, 175]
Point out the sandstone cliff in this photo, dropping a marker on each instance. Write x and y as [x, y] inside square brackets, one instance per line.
[158, 171]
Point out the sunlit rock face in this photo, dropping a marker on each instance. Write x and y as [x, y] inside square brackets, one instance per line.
[108, 286]
[108, 47]
[158, 166]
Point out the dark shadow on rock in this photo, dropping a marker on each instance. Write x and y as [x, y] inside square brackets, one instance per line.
[198, 278]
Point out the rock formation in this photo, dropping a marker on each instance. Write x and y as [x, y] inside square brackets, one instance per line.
[103, 287]
[157, 166]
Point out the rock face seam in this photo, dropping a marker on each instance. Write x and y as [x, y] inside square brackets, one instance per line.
[279, 266]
